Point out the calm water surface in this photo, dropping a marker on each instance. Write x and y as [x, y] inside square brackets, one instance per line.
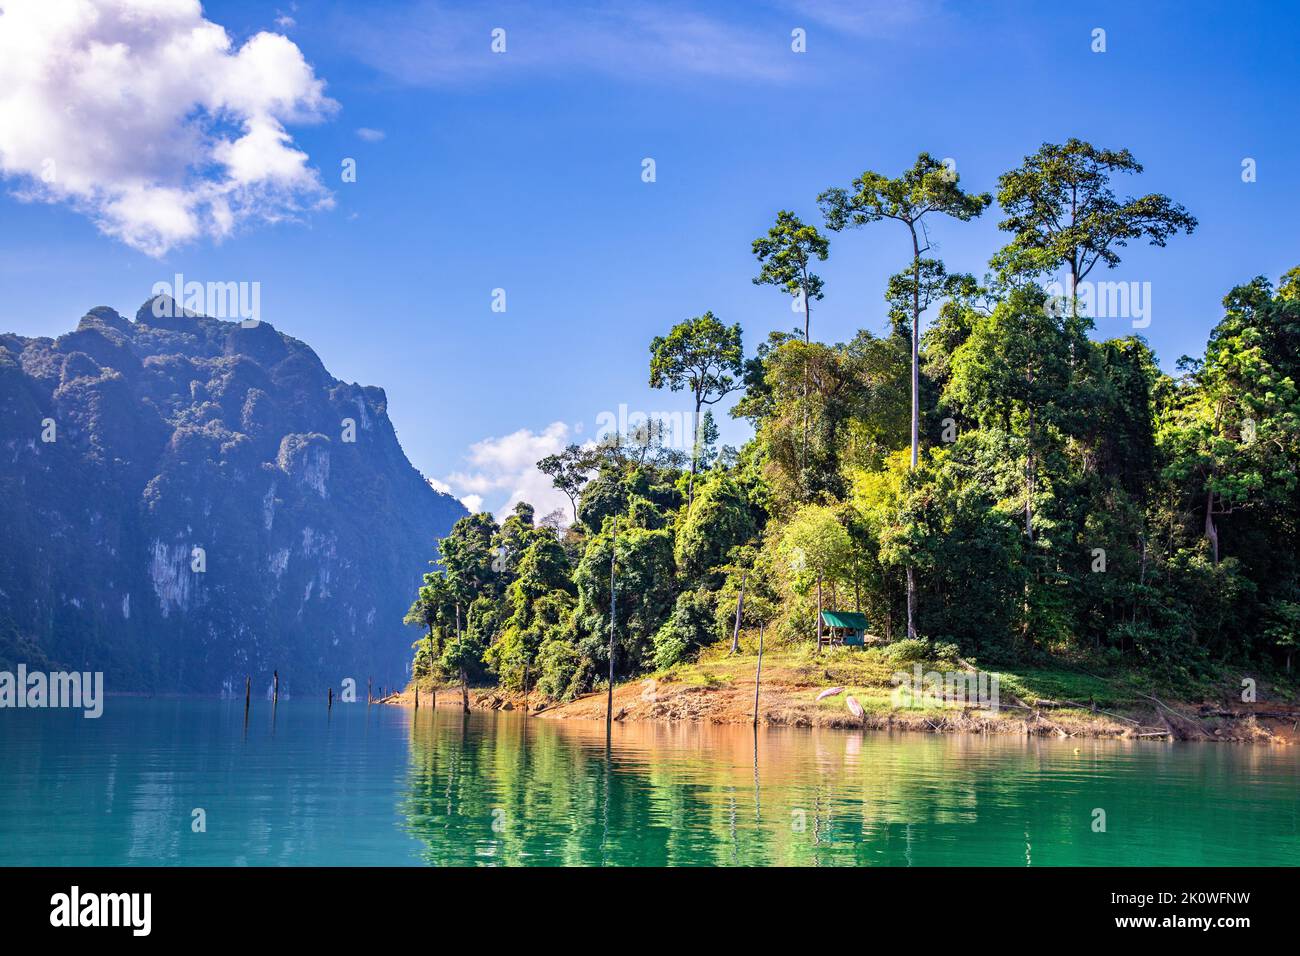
[382, 786]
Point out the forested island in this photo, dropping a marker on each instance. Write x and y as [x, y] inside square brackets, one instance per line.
[989, 484]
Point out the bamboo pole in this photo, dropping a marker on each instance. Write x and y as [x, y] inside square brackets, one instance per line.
[248, 692]
[275, 692]
[330, 705]
[758, 672]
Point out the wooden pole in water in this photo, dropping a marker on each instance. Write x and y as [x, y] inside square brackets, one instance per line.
[275, 693]
[369, 684]
[248, 691]
[330, 705]
[758, 671]
[417, 696]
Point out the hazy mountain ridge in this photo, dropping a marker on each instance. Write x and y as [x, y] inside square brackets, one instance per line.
[171, 434]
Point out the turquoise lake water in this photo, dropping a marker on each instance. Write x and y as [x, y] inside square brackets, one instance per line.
[382, 786]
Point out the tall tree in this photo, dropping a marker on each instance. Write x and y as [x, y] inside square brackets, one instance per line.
[568, 472]
[1061, 211]
[786, 254]
[703, 356]
[928, 187]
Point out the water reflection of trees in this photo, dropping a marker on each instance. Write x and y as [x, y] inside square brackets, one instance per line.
[682, 794]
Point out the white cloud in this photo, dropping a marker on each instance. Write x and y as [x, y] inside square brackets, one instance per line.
[370, 135]
[435, 42]
[148, 119]
[868, 18]
[505, 470]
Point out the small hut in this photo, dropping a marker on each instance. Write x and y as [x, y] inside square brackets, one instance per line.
[847, 628]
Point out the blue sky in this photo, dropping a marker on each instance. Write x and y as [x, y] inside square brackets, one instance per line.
[522, 171]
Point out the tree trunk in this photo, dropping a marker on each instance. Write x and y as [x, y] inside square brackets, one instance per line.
[807, 306]
[819, 613]
[911, 604]
[609, 697]
[803, 452]
[916, 350]
[695, 453]
[1211, 532]
[1029, 483]
[916, 406]
[464, 679]
[740, 609]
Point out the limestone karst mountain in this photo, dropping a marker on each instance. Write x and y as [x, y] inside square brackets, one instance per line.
[184, 501]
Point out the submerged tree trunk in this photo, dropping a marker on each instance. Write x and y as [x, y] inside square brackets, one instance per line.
[740, 609]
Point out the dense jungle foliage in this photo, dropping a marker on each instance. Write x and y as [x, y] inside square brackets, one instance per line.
[1000, 481]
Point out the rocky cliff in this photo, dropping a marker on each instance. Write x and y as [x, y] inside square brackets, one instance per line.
[184, 501]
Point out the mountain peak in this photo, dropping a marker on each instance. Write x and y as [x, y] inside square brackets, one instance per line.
[188, 501]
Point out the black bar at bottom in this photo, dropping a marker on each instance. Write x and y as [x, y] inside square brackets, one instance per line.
[351, 906]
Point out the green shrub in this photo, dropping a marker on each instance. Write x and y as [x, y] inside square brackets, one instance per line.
[946, 651]
[688, 628]
[564, 672]
[910, 650]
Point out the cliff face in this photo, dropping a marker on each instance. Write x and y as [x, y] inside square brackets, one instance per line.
[184, 501]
